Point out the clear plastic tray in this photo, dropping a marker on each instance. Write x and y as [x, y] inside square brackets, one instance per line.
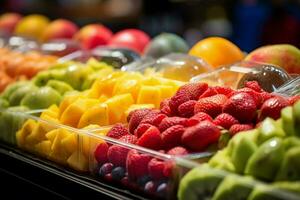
[75, 149]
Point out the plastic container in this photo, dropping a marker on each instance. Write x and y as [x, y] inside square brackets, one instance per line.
[75, 149]
[268, 76]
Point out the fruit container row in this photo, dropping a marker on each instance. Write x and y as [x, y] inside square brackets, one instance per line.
[154, 174]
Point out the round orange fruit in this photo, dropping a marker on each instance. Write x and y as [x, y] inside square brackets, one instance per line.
[217, 51]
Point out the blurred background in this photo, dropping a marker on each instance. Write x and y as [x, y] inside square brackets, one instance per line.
[248, 23]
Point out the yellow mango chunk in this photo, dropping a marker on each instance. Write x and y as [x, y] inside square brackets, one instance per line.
[138, 106]
[48, 126]
[43, 148]
[117, 106]
[51, 112]
[26, 129]
[149, 95]
[58, 152]
[73, 113]
[67, 100]
[103, 98]
[78, 161]
[91, 93]
[151, 81]
[95, 115]
[129, 83]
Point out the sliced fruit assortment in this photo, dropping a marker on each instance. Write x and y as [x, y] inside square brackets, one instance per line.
[269, 153]
[49, 87]
[109, 101]
[21, 66]
[133, 169]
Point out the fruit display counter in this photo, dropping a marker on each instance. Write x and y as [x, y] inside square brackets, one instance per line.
[121, 113]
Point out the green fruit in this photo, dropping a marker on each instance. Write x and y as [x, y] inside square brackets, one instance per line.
[42, 78]
[290, 166]
[291, 142]
[76, 75]
[268, 129]
[223, 139]
[266, 160]
[296, 112]
[250, 135]
[11, 88]
[10, 122]
[241, 152]
[96, 65]
[164, 44]
[42, 98]
[288, 122]
[234, 188]
[221, 160]
[17, 96]
[293, 187]
[59, 86]
[199, 183]
[264, 192]
[3, 103]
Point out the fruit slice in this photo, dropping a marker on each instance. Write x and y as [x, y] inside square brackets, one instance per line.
[149, 94]
[24, 132]
[43, 148]
[78, 161]
[296, 112]
[265, 162]
[264, 192]
[234, 188]
[269, 129]
[96, 115]
[289, 169]
[288, 123]
[221, 160]
[199, 183]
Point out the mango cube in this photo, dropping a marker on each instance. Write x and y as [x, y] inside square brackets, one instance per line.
[95, 115]
[148, 95]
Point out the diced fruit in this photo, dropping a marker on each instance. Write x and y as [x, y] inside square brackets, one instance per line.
[94, 115]
[78, 161]
[149, 94]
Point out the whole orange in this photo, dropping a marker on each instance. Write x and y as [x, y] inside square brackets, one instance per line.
[217, 51]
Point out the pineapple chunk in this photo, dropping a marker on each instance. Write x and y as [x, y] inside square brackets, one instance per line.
[166, 91]
[117, 106]
[51, 112]
[51, 135]
[67, 100]
[37, 135]
[27, 128]
[73, 113]
[70, 143]
[95, 115]
[149, 94]
[78, 161]
[43, 148]
[129, 83]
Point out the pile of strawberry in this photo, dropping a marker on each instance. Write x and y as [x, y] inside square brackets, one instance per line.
[190, 121]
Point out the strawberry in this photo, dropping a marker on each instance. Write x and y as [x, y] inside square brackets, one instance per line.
[241, 106]
[153, 118]
[141, 129]
[156, 169]
[223, 90]
[272, 107]
[265, 96]
[150, 139]
[176, 101]
[198, 137]
[211, 105]
[178, 151]
[172, 136]
[192, 90]
[117, 155]
[172, 121]
[187, 108]
[136, 117]
[254, 86]
[234, 129]
[225, 120]
[255, 95]
[165, 108]
[117, 131]
[294, 99]
[100, 153]
[208, 93]
[200, 116]
[137, 165]
[131, 139]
